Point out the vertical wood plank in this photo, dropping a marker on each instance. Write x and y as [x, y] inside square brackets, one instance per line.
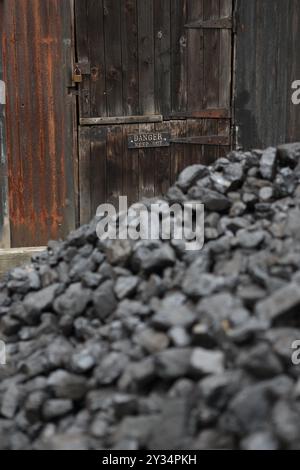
[162, 163]
[195, 57]
[162, 33]
[147, 166]
[114, 164]
[131, 166]
[84, 136]
[210, 152]
[98, 138]
[194, 153]
[129, 25]
[82, 46]
[211, 56]
[146, 57]
[178, 129]
[225, 70]
[179, 55]
[95, 22]
[113, 54]
[4, 209]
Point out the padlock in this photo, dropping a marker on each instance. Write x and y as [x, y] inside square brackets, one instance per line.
[77, 75]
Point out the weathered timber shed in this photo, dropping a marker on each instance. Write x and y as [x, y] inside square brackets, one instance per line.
[101, 98]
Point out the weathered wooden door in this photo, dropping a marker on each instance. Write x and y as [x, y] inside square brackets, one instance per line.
[150, 66]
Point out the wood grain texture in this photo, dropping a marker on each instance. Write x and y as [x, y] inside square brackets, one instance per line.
[264, 111]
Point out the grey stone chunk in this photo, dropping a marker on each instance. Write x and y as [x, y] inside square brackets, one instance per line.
[247, 239]
[268, 163]
[10, 402]
[66, 385]
[110, 368]
[126, 286]
[74, 301]
[168, 317]
[289, 154]
[104, 300]
[286, 423]
[37, 302]
[205, 362]
[153, 257]
[152, 341]
[260, 441]
[173, 363]
[282, 303]
[53, 409]
[212, 200]
[139, 429]
[191, 175]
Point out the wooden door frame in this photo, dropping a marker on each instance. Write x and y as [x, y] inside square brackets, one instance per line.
[4, 210]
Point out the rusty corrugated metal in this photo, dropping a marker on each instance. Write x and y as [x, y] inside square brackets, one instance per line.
[37, 67]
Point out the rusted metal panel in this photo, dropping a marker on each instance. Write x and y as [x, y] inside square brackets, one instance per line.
[37, 58]
[4, 218]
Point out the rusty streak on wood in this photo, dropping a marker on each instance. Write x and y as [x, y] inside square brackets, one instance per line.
[38, 61]
[107, 121]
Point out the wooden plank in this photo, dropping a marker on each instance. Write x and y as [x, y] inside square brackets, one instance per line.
[194, 151]
[210, 152]
[221, 23]
[162, 34]
[179, 60]
[39, 121]
[113, 54]
[84, 174]
[146, 57]
[129, 28]
[131, 166]
[4, 210]
[114, 164]
[98, 164]
[107, 121]
[95, 22]
[16, 257]
[162, 163]
[178, 129]
[83, 52]
[146, 166]
[193, 139]
[225, 70]
[211, 56]
[218, 113]
[195, 60]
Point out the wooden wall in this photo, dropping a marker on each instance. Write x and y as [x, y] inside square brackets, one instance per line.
[36, 52]
[4, 218]
[267, 62]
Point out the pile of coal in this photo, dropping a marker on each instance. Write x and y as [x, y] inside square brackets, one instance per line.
[144, 345]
